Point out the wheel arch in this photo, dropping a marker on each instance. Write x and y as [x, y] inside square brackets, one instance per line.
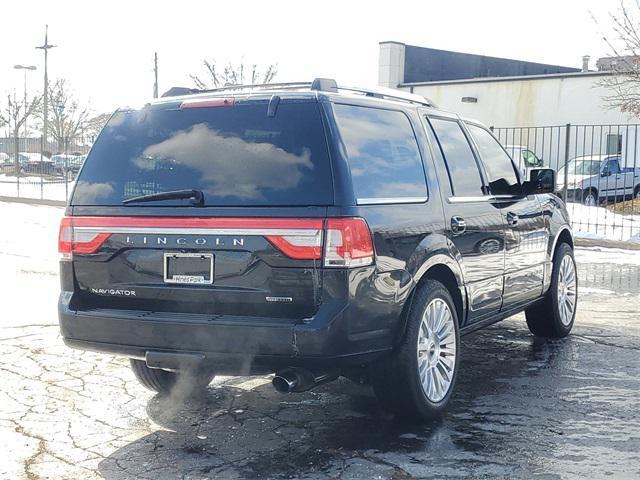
[564, 236]
[445, 270]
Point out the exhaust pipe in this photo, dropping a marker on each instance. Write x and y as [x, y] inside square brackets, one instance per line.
[286, 382]
[299, 380]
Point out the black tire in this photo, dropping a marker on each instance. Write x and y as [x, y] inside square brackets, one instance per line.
[164, 382]
[636, 193]
[544, 319]
[396, 379]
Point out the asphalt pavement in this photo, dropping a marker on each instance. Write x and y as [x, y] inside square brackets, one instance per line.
[523, 406]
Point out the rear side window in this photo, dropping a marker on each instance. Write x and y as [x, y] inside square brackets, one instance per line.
[236, 155]
[498, 165]
[383, 154]
[461, 164]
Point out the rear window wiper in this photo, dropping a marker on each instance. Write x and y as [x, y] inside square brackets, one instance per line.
[196, 197]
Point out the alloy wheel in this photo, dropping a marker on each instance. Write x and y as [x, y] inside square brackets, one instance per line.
[436, 350]
[567, 290]
[590, 200]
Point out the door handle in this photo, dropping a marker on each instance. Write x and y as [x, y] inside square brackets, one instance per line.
[512, 218]
[458, 225]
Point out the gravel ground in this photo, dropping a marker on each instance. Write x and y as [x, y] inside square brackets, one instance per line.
[523, 407]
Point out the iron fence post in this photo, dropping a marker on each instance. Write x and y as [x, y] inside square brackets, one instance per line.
[66, 178]
[567, 139]
[41, 177]
[17, 167]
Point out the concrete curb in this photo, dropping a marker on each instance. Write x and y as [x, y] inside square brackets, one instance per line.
[34, 201]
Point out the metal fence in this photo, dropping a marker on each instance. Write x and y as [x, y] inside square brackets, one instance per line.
[597, 170]
[31, 168]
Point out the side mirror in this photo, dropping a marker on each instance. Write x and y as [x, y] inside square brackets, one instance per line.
[541, 180]
[606, 172]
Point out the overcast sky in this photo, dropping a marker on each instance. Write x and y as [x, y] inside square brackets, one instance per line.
[106, 52]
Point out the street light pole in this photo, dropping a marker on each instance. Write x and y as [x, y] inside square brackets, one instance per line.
[46, 48]
[25, 69]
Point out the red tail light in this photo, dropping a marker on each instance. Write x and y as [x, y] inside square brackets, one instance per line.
[348, 243]
[72, 241]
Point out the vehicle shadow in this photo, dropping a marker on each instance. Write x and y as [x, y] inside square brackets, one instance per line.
[244, 429]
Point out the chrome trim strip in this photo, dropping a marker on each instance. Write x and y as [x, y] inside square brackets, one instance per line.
[481, 198]
[469, 199]
[388, 200]
[204, 231]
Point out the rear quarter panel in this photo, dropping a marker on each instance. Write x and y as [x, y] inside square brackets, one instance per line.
[408, 239]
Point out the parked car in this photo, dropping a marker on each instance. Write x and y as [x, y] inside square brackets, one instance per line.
[33, 163]
[595, 178]
[310, 232]
[67, 164]
[5, 161]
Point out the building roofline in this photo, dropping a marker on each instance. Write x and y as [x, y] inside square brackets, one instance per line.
[545, 76]
[491, 57]
[392, 41]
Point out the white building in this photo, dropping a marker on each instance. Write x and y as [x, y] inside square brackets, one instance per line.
[500, 92]
[509, 94]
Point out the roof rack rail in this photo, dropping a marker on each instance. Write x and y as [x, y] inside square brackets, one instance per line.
[330, 85]
[318, 84]
[260, 86]
[389, 93]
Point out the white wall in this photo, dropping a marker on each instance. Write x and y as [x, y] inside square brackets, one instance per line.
[574, 99]
[391, 64]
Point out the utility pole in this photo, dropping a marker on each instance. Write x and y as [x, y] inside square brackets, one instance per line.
[155, 73]
[46, 48]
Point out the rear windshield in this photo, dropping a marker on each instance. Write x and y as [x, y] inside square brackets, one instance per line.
[235, 155]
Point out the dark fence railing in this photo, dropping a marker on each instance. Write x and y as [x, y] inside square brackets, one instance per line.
[31, 168]
[597, 172]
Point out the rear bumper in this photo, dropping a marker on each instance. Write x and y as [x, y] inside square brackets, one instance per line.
[230, 344]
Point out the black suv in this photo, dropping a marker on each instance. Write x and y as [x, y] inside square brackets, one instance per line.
[308, 230]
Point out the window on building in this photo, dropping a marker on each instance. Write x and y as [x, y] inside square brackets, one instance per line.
[614, 144]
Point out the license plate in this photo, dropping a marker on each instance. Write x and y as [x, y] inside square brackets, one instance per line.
[188, 268]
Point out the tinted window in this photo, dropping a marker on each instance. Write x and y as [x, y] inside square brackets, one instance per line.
[236, 155]
[382, 153]
[461, 164]
[502, 174]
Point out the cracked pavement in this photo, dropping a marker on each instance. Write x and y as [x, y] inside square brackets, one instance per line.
[523, 406]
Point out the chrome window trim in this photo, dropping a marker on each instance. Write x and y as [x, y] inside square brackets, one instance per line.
[390, 200]
[482, 198]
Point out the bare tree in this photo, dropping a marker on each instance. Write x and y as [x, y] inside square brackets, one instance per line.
[94, 125]
[624, 81]
[231, 74]
[15, 114]
[67, 116]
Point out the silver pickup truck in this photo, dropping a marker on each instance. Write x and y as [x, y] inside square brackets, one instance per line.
[595, 178]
